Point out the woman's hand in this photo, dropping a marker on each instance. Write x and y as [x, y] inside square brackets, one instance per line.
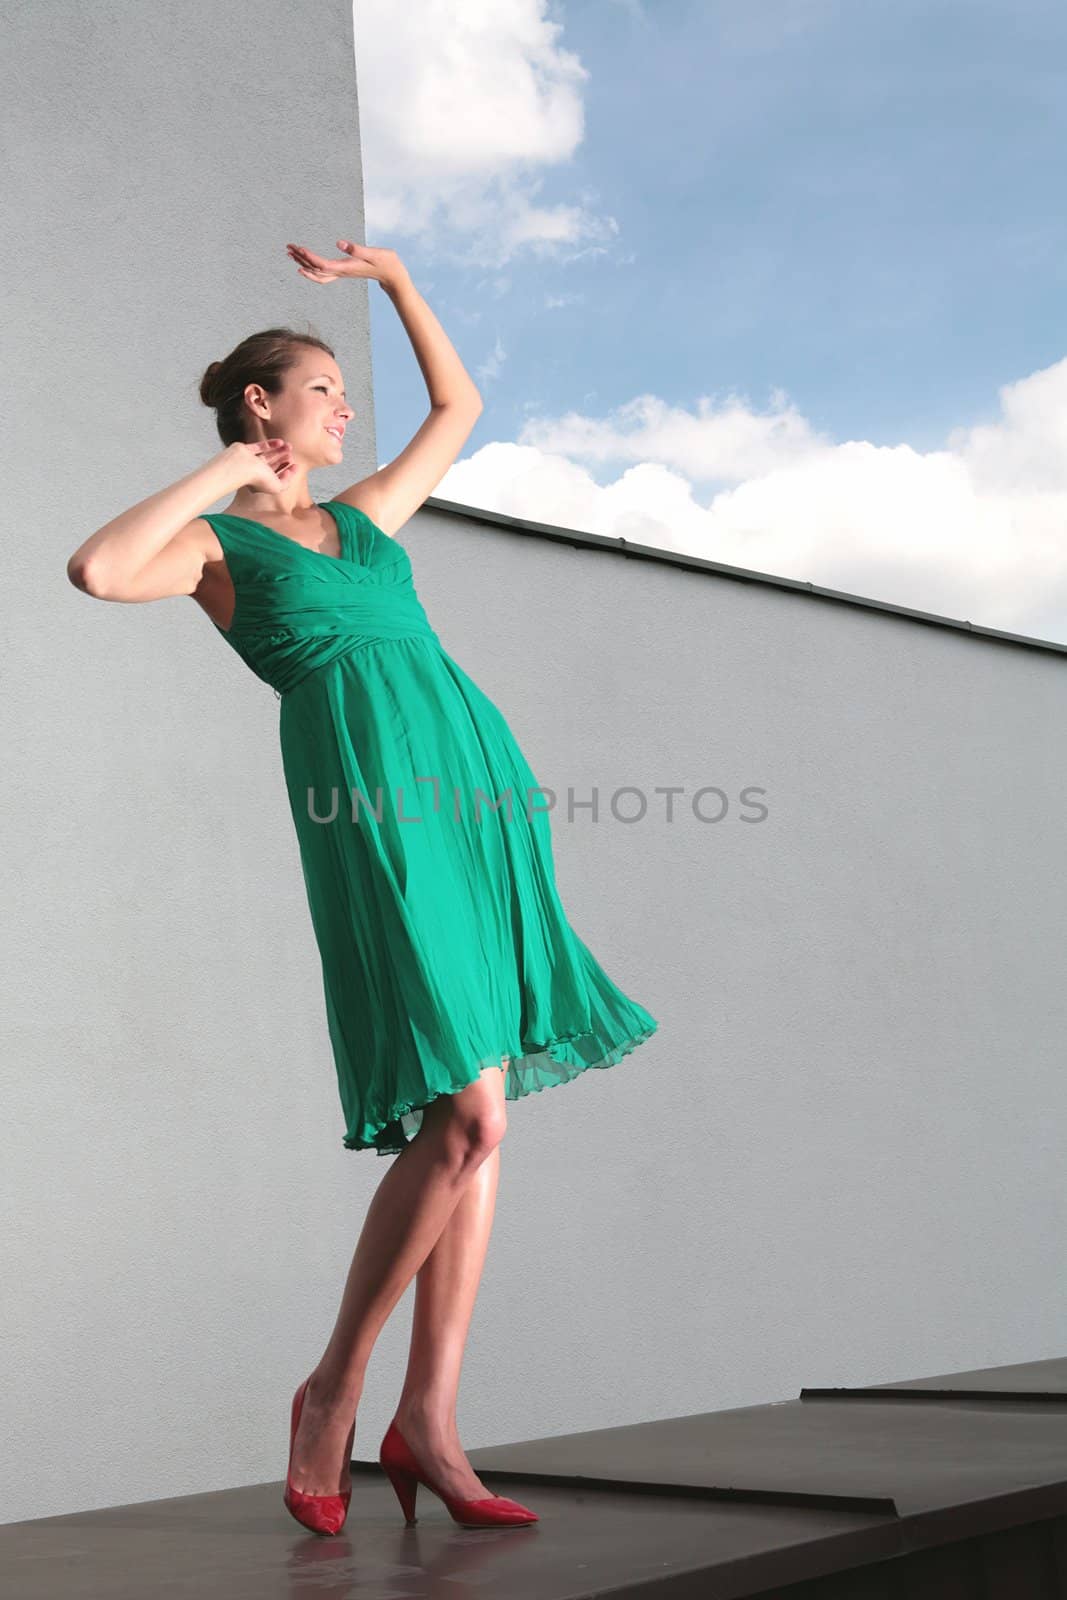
[266, 464]
[359, 261]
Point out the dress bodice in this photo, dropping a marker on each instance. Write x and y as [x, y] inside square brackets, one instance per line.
[297, 609]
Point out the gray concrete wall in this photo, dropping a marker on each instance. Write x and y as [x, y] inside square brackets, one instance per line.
[838, 1160]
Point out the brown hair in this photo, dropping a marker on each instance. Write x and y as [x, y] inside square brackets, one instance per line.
[262, 358]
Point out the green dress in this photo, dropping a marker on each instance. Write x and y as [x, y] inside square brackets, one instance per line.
[426, 851]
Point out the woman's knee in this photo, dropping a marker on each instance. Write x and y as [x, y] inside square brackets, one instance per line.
[479, 1113]
[473, 1120]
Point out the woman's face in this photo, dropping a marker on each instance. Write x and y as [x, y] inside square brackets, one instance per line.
[310, 413]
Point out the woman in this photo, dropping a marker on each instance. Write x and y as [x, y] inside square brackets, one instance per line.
[453, 981]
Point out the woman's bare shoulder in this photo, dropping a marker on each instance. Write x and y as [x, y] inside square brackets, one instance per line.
[199, 535]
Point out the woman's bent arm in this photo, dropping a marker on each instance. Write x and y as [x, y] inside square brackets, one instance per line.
[112, 563]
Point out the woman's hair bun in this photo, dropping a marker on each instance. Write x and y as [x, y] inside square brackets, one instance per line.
[208, 384]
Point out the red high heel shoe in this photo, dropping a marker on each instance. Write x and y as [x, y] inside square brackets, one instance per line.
[405, 1475]
[322, 1513]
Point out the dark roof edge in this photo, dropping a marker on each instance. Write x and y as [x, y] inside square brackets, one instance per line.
[675, 558]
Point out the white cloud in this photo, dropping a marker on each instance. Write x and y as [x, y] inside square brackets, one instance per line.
[468, 100]
[726, 441]
[974, 530]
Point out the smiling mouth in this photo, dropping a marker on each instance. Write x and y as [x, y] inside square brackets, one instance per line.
[334, 432]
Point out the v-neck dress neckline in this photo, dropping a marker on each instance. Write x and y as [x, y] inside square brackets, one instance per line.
[338, 522]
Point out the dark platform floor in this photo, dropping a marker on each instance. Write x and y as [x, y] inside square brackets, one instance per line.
[953, 1486]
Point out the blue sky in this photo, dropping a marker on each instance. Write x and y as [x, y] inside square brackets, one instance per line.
[775, 282]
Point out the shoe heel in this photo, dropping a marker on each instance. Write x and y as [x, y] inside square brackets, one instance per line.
[407, 1487]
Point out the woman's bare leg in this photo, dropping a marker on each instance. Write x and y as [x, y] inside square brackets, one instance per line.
[406, 1217]
[446, 1286]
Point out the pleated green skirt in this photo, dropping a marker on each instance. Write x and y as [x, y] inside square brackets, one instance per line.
[445, 948]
